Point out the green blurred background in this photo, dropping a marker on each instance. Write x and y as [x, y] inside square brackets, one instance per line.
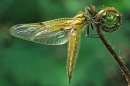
[24, 63]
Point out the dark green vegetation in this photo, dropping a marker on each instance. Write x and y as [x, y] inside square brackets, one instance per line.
[24, 63]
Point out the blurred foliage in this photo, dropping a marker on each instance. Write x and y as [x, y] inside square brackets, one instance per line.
[24, 63]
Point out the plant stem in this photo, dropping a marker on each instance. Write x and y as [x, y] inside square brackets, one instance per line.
[119, 61]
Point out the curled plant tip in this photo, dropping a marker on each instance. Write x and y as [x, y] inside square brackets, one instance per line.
[109, 19]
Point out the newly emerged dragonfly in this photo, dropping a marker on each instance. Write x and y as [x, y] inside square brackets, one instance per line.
[58, 32]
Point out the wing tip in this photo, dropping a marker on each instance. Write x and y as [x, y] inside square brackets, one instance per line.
[12, 28]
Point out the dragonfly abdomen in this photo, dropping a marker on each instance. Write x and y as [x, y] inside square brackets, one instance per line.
[72, 52]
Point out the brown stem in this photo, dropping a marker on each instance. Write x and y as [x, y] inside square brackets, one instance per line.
[120, 63]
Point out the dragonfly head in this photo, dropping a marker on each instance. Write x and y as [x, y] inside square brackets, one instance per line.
[90, 10]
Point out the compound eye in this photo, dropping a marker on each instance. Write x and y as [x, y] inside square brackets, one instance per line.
[91, 10]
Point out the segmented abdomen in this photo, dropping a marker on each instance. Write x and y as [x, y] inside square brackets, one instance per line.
[72, 52]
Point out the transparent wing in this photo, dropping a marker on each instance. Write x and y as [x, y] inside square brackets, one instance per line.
[54, 32]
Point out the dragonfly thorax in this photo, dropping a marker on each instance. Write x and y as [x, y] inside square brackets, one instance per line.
[79, 20]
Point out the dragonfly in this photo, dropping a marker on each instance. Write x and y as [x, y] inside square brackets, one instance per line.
[58, 32]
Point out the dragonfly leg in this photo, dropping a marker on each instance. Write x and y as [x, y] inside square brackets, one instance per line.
[91, 36]
[96, 22]
[92, 26]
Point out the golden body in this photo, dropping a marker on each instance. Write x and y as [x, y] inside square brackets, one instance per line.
[57, 32]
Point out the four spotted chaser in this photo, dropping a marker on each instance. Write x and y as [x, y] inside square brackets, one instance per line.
[58, 32]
